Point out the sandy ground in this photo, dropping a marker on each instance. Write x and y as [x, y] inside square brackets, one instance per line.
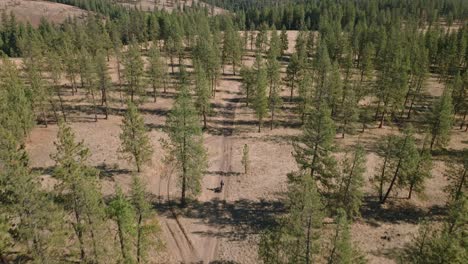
[225, 226]
[32, 11]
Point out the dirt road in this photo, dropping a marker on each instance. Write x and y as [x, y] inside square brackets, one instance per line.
[195, 239]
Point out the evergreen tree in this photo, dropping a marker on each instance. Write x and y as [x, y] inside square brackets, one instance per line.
[274, 80]
[134, 72]
[147, 226]
[248, 83]
[402, 163]
[342, 251]
[245, 158]
[135, 143]
[421, 172]
[284, 41]
[312, 151]
[156, 71]
[30, 219]
[80, 189]
[349, 112]
[89, 78]
[103, 80]
[296, 240]
[456, 174]
[54, 66]
[440, 120]
[202, 91]
[260, 100]
[292, 73]
[123, 213]
[185, 145]
[349, 193]
[15, 103]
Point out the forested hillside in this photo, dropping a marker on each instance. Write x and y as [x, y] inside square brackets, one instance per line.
[319, 131]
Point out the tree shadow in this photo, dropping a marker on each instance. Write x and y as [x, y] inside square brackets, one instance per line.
[394, 212]
[245, 217]
[106, 171]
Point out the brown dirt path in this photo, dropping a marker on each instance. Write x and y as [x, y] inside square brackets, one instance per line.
[195, 239]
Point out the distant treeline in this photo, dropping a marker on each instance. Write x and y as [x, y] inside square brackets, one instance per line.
[307, 14]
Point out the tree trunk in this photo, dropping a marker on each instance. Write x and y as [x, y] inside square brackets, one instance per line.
[382, 118]
[395, 175]
[61, 103]
[122, 242]
[308, 238]
[94, 106]
[204, 120]
[139, 237]
[460, 185]
[272, 118]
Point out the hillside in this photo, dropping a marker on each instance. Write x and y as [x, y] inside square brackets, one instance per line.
[32, 11]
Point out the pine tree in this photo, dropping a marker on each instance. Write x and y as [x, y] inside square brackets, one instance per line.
[40, 94]
[292, 73]
[80, 189]
[284, 41]
[156, 71]
[446, 245]
[89, 77]
[296, 240]
[135, 143]
[421, 172]
[274, 80]
[342, 251]
[202, 91]
[185, 145]
[260, 100]
[441, 120]
[232, 50]
[349, 193]
[403, 162]
[123, 213]
[456, 174]
[15, 104]
[103, 80]
[245, 158]
[349, 112]
[134, 72]
[54, 66]
[248, 83]
[31, 221]
[147, 227]
[312, 151]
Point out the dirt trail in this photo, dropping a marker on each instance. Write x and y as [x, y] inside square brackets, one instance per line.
[195, 240]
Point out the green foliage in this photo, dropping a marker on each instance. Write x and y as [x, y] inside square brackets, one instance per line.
[15, 102]
[135, 142]
[147, 227]
[245, 158]
[80, 190]
[202, 92]
[185, 146]
[349, 192]
[260, 100]
[156, 71]
[123, 213]
[342, 251]
[313, 149]
[297, 238]
[441, 120]
[134, 73]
